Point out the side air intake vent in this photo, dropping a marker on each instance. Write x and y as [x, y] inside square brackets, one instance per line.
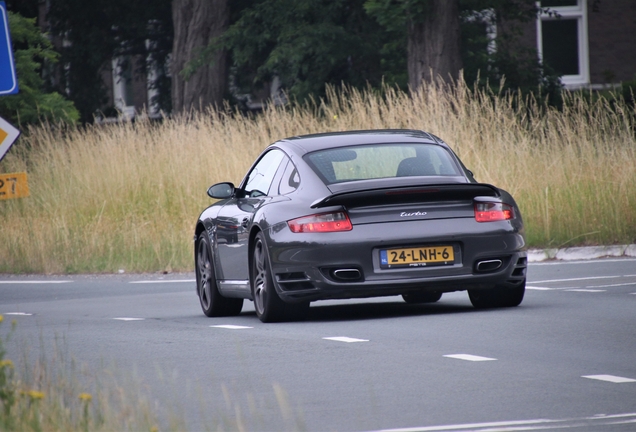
[296, 281]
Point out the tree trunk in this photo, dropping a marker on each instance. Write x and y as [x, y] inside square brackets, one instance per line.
[196, 23]
[433, 46]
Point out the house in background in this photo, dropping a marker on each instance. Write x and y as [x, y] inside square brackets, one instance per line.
[592, 43]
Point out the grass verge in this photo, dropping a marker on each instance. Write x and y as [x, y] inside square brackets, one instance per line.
[126, 196]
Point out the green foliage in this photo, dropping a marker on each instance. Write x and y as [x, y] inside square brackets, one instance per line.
[309, 44]
[32, 104]
[628, 89]
[396, 15]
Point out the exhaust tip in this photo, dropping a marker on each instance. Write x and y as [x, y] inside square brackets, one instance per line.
[488, 265]
[346, 274]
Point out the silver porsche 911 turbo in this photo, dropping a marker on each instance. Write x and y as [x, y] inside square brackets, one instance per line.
[357, 214]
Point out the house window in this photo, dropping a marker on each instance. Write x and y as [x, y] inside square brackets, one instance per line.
[562, 40]
[123, 85]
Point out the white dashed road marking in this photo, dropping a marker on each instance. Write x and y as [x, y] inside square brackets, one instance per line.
[583, 278]
[469, 357]
[470, 426]
[610, 378]
[10, 282]
[588, 288]
[231, 327]
[611, 285]
[163, 281]
[18, 313]
[129, 319]
[345, 339]
[530, 425]
[585, 290]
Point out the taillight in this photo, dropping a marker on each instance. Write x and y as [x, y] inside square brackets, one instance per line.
[324, 222]
[493, 211]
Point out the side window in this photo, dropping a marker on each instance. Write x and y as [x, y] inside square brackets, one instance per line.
[260, 178]
[290, 180]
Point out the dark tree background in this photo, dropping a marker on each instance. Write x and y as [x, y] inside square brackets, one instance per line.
[206, 51]
[89, 34]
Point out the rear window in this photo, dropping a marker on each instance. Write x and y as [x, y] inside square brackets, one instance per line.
[375, 161]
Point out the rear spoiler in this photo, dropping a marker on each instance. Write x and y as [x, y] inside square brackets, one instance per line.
[404, 195]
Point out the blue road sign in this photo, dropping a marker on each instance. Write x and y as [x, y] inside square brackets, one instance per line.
[8, 78]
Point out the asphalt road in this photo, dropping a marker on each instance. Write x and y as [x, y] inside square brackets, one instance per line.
[564, 359]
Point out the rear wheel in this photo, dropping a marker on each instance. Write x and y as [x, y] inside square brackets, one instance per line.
[269, 306]
[421, 297]
[498, 296]
[213, 303]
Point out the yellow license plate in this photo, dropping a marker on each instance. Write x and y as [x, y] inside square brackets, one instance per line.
[417, 256]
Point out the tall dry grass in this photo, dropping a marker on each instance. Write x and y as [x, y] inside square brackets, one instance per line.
[126, 196]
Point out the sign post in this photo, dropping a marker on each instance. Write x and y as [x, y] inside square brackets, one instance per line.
[11, 185]
[8, 78]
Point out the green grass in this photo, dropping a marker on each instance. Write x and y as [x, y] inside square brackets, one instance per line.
[126, 196]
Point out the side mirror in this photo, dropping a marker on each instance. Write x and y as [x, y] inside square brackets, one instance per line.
[221, 190]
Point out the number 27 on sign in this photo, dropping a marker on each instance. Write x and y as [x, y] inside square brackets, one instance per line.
[13, 186]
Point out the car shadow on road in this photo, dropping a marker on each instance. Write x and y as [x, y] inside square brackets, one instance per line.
[377, 310]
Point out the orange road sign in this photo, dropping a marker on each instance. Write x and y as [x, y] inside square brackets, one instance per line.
[8, 135]
[14, 186]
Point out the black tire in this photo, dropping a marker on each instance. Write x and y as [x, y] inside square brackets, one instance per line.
[514, 296]
[268, 305]
[421, 297]
[498, 297]
[212, 302]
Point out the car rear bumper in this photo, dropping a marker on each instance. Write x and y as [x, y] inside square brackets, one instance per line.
[347, 264]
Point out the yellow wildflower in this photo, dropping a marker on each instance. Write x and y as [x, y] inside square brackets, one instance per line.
[85, 397]
[1, 318]
[35, 395]
[7, 363]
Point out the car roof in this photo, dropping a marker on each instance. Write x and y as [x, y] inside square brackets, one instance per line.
[303, 144]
